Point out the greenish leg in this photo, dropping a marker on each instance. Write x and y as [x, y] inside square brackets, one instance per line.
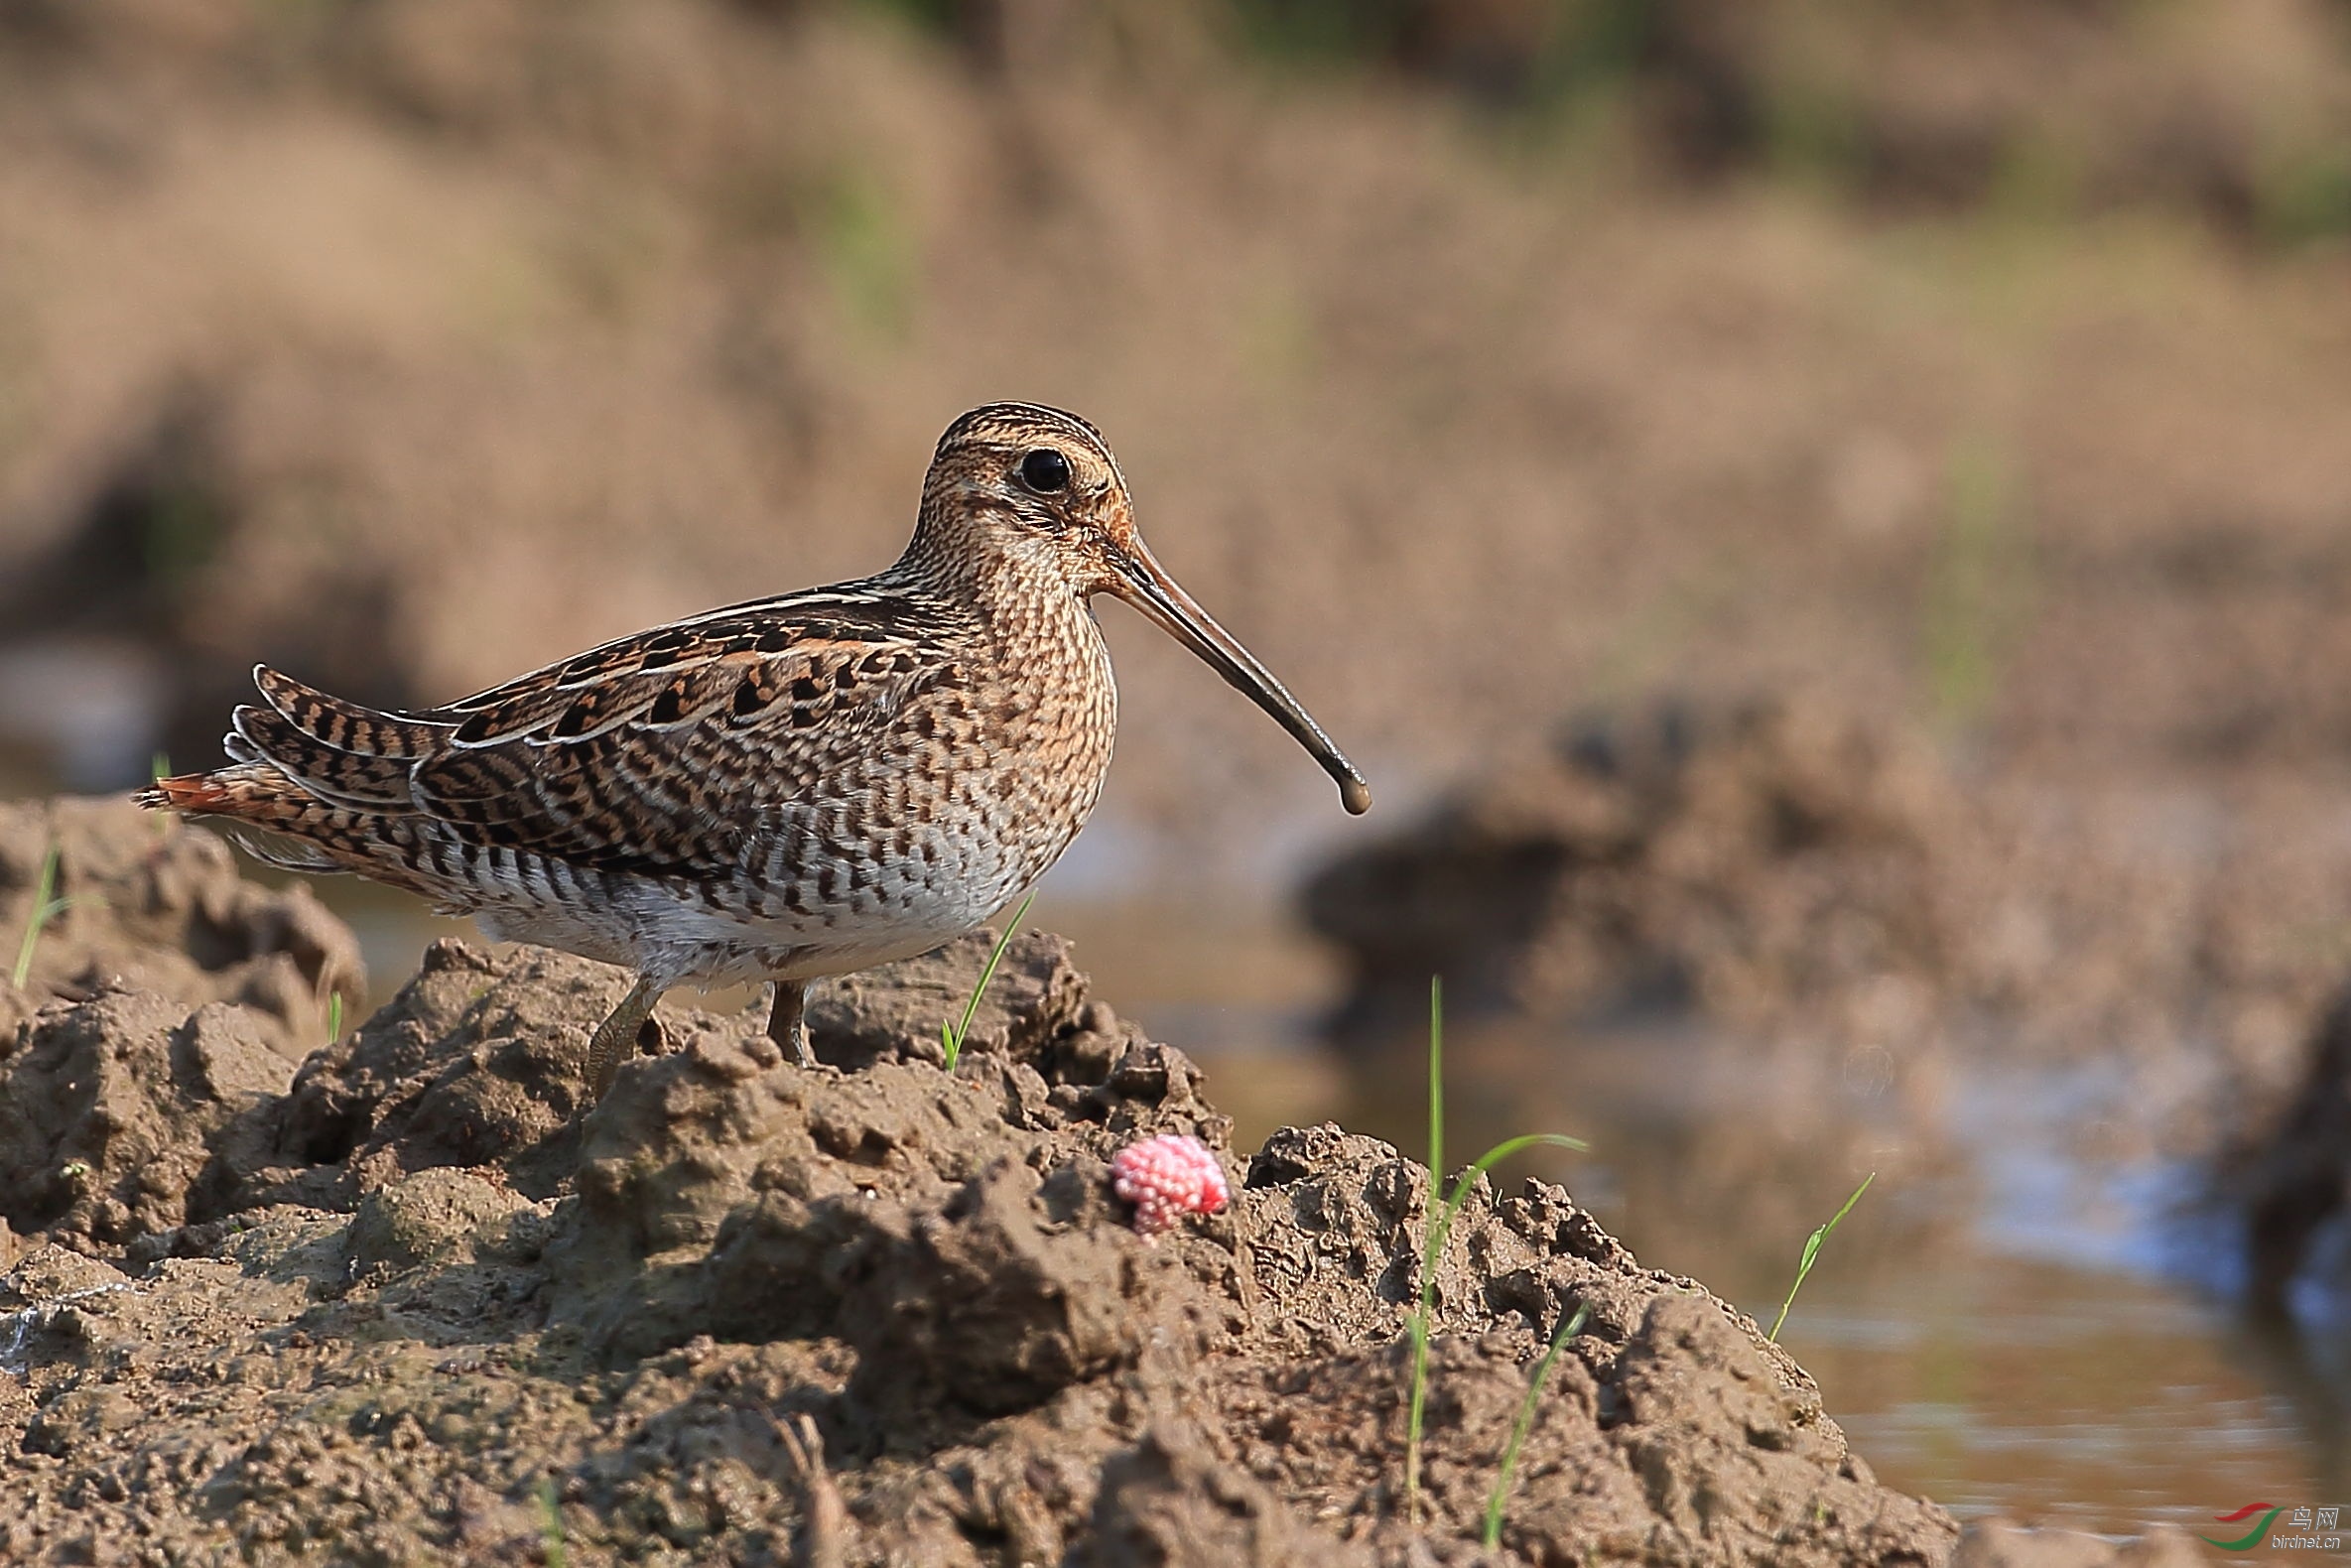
[616, 1037]
[787, 1020]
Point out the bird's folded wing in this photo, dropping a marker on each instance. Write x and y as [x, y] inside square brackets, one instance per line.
[658, 754]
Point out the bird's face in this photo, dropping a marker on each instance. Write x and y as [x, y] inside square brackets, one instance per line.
[1040, 486]
[1037, 485]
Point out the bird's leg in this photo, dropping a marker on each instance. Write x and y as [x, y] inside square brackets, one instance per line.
[616, 1037]
[787, 1020]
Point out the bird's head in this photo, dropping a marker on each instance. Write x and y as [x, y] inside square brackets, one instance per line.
[1018, 486]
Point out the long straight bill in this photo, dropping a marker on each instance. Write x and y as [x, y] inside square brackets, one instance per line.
[1173, 610]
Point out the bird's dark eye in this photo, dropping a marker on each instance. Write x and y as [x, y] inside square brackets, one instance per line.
[1045, 471]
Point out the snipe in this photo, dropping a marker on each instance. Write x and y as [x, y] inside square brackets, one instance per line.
[785, 789]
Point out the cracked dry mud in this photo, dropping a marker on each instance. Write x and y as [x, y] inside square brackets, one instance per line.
[402, 1305]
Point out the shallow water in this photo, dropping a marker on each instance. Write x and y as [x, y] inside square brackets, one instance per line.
[2001, 1325]
[2105, 1401]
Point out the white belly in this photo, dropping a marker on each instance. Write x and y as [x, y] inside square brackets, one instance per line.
[647, 927]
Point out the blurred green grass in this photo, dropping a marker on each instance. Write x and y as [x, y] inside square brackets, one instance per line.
[2236, 114]
[1979, 589]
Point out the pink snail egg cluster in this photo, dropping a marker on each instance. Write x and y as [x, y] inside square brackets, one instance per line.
[1167, 1178]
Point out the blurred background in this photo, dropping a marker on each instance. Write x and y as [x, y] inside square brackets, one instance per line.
[1827, 522]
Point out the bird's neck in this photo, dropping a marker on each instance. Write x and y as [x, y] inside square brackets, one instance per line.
[1014, 587]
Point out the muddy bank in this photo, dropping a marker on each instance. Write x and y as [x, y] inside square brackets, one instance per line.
[401, 1304]
[1761, 860]
[1797, 871]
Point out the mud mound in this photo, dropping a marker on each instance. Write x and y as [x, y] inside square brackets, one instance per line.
[476, 1062]
[1756, 858]
[166, 999]
[1802, 872]
[162, 910]
[472, 1333]
[110, 1111]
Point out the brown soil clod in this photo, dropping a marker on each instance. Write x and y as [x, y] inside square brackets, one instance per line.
[163, 909]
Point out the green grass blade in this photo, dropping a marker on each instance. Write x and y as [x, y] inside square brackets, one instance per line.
[953, 1037]
[1568, 1330]
[46, 907]
[553, 1546]
[1436, 1081]
[334, 1017]
[1812, 1253]
[1441, 1231]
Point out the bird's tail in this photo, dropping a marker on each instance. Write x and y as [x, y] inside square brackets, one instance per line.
[199, 794]
[252, 796]
[325, 780]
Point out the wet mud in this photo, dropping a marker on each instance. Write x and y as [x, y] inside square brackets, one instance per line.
[404, 1302]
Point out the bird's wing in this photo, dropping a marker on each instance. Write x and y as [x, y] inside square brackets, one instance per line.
[657, 753]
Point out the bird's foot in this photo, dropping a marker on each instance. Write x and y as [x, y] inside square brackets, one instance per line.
[787, 1020]
[617, 1037]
